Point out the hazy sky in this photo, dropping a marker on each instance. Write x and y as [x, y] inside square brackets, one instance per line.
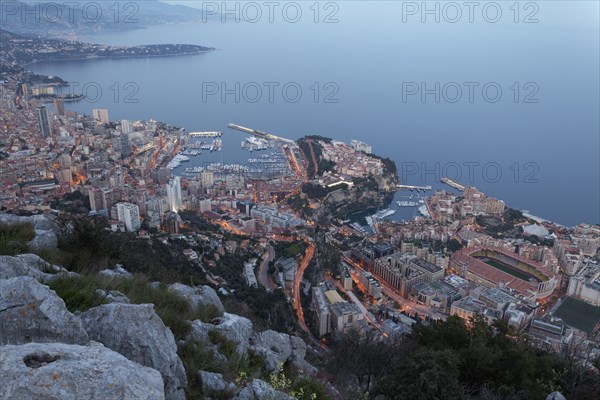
[583, 13]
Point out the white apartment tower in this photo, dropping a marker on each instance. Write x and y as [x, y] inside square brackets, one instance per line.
[174, 198]
[126, 126]
[130, 215]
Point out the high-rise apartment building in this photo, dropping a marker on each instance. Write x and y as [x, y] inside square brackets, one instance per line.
[43, 121]
[174, 197]
[129, 214]
[101, 115]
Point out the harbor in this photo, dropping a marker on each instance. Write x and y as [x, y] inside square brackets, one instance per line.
[205, 151]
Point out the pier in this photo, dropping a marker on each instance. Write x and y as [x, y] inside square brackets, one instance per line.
[453, 184]
[423, 188]
[205, 134]
[260, 134]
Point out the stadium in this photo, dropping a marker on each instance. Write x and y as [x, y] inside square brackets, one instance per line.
[492, 267]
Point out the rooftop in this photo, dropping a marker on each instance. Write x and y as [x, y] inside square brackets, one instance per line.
[333, 296]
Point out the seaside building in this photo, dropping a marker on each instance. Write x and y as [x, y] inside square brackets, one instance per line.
[100, 115]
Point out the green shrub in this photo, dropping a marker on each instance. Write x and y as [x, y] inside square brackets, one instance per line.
[14, 238]
[79, 294]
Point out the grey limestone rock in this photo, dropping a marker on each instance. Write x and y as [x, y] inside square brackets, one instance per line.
[198, 296]
[73, 372]
[213, 383]
[232, 327]
[259, 389]
[279, 348]
[138, 333]
[31, 312]
[30, 265]
[113, 296]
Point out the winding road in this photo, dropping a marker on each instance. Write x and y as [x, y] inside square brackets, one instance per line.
[310, 251]
[263, 272]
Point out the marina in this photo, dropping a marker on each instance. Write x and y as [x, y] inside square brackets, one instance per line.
[256, 144]
[177, 160]
[192, 153]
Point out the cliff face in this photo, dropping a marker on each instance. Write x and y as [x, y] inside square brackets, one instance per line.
[372, 191]
[388, 182]
[343, 202]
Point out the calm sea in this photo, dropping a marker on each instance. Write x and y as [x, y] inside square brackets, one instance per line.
[508, 102]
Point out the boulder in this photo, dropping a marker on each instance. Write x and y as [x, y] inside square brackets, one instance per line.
[45, 236]
[232, 327]
[43, 240]
[71, 372]
[275, 347]
[259, 390]
[199, 334]
[31, 312]
[116, 272]
[198, 296]
[113, 296]
[135, 331]
[279, 348]
[298, 348]
[213, 383]
[556, 396]
[30, 265]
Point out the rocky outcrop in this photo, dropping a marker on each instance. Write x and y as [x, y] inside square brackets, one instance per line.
[276, 348]
[232, 327]
[45, 235]
[198, 296]
[31, 312]
[213, 383]
[138, 333]
[279, 348]
[347, 201]
[259, 389]
[30, 265]
[63, 371]
[112, 296]
[116, 272]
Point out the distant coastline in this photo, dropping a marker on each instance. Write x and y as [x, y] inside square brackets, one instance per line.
[94, 57]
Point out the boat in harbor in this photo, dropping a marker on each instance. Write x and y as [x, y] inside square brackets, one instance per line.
[407, 203]
[190, 152]
[177, 160]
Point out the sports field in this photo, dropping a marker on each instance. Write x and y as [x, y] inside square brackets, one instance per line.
[508, 269]
[578, 314]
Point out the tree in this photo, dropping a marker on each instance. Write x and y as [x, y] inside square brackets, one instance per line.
[427, 374]
[362, 356]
